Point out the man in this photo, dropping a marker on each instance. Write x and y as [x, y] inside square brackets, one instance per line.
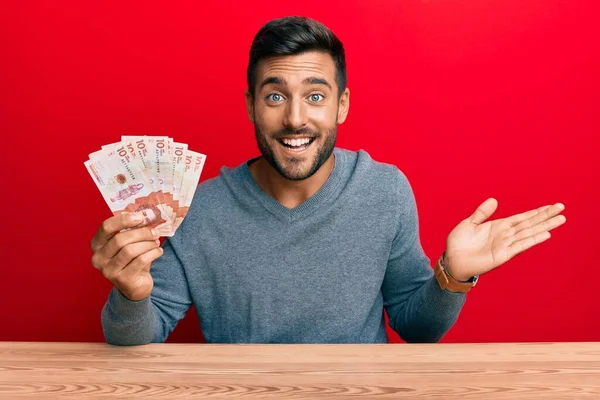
[308, 243]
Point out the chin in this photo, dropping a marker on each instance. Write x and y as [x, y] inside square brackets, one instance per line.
[296, 174]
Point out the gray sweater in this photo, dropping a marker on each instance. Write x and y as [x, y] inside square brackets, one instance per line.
[323, 272]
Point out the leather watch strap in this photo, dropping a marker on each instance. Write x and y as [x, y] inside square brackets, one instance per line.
[447, 282]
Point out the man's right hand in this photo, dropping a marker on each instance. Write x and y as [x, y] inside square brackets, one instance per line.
[124, 258]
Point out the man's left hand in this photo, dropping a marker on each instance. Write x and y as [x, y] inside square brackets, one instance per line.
[475, 247]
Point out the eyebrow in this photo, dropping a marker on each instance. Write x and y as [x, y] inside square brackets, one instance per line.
[311, 80]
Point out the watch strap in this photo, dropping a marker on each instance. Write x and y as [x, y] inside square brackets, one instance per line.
[447, 282]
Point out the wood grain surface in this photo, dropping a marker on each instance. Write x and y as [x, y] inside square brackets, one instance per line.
[391, 371]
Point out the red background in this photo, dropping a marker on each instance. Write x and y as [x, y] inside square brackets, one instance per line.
[471, 99]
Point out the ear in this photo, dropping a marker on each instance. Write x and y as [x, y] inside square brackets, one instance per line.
[250, 105]
[344, 106]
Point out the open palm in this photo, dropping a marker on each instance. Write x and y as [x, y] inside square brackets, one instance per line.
[475, 247]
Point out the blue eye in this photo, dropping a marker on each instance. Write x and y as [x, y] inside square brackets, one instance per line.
[274, 97]
[316, 97]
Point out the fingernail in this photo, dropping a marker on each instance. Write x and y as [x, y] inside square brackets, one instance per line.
[154, 233]
[157, 242]
[560, 205]
[136, 217]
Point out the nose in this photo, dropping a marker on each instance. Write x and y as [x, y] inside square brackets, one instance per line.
[295, 114]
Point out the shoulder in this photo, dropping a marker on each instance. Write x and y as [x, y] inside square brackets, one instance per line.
[217, 194]
[207, 194]
[377, 176]
[210, 201]
[379, 187]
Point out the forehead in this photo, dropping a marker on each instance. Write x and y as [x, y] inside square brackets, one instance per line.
[296, 67]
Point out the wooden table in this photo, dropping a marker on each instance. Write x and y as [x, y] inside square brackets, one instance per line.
[174, 371]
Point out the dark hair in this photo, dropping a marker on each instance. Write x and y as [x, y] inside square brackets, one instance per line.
[296, 35]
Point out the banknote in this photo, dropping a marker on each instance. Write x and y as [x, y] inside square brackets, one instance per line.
[154, 175]
[194, 163]
[178, 160]
[127, 190]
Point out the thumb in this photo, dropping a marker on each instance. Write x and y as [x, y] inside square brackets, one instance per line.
[484, 211]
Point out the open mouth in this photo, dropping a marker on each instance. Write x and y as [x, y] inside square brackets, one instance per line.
[296, 144]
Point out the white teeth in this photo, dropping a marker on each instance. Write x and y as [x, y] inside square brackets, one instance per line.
[296, 142]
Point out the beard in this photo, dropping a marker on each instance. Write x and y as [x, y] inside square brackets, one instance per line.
[292, 168]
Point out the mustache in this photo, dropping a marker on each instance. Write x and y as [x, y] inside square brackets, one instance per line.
[295, 132]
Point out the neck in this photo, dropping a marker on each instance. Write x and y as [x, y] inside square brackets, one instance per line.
[287, 192]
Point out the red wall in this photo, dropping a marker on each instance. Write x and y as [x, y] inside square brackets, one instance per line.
[471, 99]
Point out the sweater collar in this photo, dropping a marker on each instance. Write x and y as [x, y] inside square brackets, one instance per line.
[309, 205]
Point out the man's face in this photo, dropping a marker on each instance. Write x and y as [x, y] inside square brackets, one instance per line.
[296, 110]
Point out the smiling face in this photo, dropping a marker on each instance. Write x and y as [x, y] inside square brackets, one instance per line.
[295, 110]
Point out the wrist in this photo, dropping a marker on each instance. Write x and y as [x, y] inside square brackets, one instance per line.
[451, 273]
[448, 282]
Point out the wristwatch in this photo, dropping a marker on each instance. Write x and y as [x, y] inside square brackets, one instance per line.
[447, 282]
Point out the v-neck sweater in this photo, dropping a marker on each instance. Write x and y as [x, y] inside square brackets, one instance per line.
[322, 272]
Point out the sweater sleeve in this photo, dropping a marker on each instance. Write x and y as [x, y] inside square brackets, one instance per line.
[418, 310]
[126, 322]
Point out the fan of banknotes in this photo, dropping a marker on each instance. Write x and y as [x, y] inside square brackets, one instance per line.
[152, 175]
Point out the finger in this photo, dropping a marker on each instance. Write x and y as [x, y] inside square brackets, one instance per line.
[114, 266]
[113, 225]
[518, 218]
[484, 211]
[539, 217]
[123, 239]
[98, 261]
[545, 226]
[131, 251]
[140, 263]
[525, 244]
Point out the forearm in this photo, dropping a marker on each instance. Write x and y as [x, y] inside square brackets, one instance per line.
[151, 320]
[129, 323]
[419, 310]
[428, 314]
